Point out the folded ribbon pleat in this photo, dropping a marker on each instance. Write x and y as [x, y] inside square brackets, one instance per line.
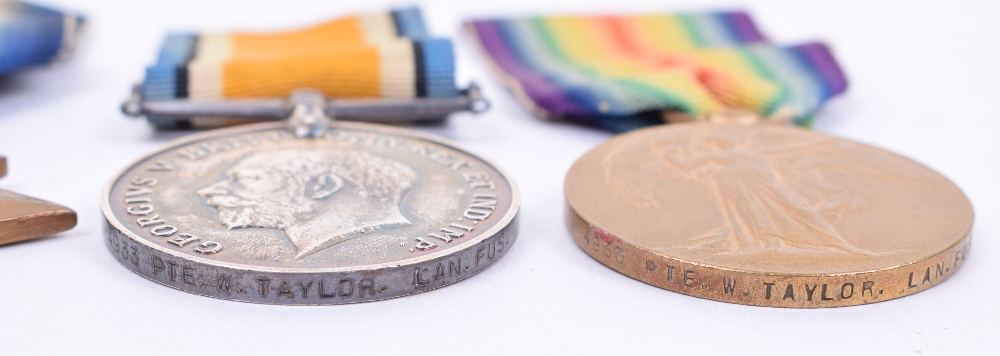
[623, 72]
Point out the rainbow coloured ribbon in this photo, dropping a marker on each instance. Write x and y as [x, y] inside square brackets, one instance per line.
[33, 35]
[374, 55]
[623, 72]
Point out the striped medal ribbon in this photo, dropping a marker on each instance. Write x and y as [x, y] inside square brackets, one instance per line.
[624, 72]
[32, 35]
[376, 55]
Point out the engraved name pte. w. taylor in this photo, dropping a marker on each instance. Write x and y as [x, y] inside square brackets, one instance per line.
[362, 213]
[703, 208]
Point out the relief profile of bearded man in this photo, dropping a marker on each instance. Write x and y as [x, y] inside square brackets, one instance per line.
[319, 197]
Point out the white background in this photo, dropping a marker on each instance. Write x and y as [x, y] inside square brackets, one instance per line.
[924, 83]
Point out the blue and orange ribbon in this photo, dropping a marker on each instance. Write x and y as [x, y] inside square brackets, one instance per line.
[378, 55]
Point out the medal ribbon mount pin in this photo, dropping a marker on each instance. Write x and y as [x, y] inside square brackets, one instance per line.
[307, 107]
[363, 190]
[24, 218]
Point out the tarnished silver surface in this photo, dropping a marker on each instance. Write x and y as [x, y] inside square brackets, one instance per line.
[363, 213]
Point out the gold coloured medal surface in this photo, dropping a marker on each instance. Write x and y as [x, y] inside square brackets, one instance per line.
[766, 215]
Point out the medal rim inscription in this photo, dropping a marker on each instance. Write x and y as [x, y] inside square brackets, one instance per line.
[503, 224]
[507, 236]
[890, 279]
[583, 232]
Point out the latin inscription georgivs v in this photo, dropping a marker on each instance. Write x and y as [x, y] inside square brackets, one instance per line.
[362, 213]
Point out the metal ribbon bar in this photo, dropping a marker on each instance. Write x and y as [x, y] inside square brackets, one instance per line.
[386, 110]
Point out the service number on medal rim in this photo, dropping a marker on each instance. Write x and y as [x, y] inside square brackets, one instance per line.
[766, 215]
[363, 213]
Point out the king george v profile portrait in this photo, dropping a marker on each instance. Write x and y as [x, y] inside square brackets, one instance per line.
[319, 197]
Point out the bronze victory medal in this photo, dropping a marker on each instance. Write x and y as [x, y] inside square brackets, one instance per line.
[363, 212]
[766, 215]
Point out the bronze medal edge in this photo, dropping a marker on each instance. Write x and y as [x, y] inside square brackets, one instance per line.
[766, 289]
